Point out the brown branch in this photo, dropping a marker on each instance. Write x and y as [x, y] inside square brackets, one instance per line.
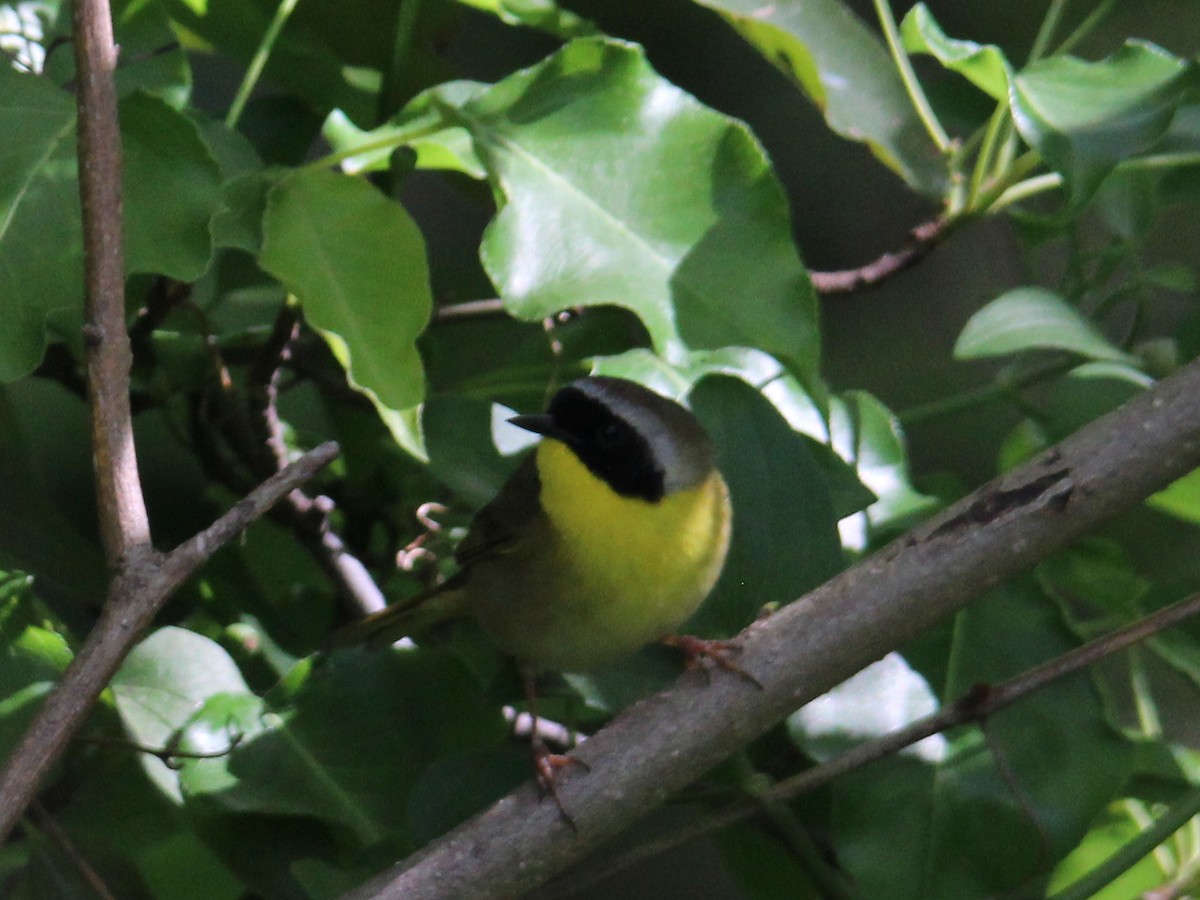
[922, 240]
[137, 592]
[976, 706]
[124, 525]
[142, 579]
[664, 743]
[265, 450]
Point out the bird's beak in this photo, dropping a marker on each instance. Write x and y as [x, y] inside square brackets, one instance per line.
[538, 423]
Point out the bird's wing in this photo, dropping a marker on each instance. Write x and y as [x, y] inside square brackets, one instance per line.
[498, 527]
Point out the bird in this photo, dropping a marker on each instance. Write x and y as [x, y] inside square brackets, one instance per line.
[608, 535]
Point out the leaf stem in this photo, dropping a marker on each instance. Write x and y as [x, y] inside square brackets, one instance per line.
[1049, 181]
[259, 62]
[1003, 388]
[916, 93]
[1046, 30]
[992, 138]
[1085, 27]
[393, 138]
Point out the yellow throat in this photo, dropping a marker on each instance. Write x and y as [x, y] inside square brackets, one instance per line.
[640, 568]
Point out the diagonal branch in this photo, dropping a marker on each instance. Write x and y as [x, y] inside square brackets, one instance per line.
[921, 241]
[137, 592]
[666, 742]
[980, 702]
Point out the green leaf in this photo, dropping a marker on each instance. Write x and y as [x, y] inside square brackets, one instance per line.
[867, 435]
[41, 242]
[785, 539]
[1085, 117]
[984, 65]
[151, 56]
[421, 125]
[32, 657]
[160, 853]
[321, 753]
[544, 15]
[315, 61]
[1113, 829]
[166, 678]
[844, 68]
[35, 535]
[1181, 498]
[356, 261]
[1032, 318]
[172, 190]
[621, 189]
[162, 685]
[1088, 392]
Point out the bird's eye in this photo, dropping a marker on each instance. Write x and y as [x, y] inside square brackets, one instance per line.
[610, 434]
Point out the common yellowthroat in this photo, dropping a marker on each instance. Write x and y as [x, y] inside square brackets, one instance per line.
[606, 537]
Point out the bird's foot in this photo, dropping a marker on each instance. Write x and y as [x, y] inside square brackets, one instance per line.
[696, 651]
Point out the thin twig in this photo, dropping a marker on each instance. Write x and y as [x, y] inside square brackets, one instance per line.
[454, 311]
[257, 436]
[59, 837]
[976, 706]
[167, 755]
[164, 295]
[922, 240]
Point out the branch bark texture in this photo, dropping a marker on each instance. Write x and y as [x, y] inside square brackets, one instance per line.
[142, 579]
[124, 525]
[664, 743]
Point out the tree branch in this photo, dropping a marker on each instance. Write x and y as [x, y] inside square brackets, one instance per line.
[665, 742]
[978, 704]
[135, 595]
[124, 525]
[142, 579]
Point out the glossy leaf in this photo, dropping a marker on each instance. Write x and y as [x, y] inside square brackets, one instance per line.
[1032, 318]
[984, 65]
[357, 263]
[166, 678]
[844, 68]
[1085, 117]
[621, 189]
[41, 244]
